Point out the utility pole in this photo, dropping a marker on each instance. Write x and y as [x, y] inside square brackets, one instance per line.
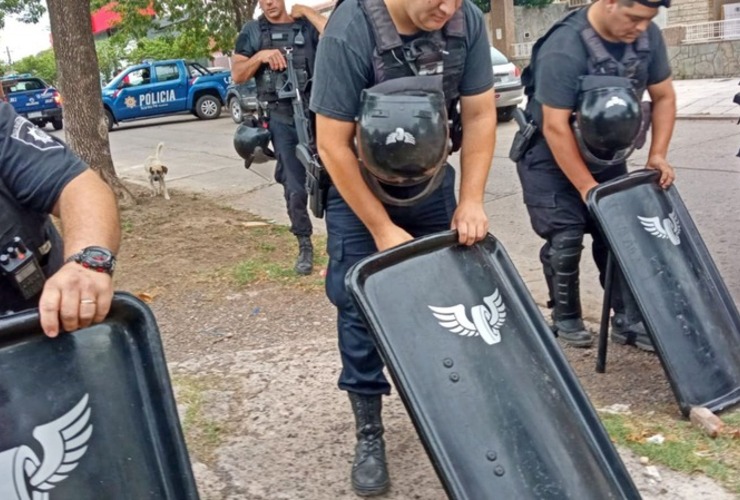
[10, 60]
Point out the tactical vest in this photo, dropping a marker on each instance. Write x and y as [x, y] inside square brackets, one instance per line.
[633, 64]
[37, 232]
[433, 53]
[283, 36]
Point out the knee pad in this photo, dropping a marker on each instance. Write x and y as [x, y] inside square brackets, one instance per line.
[565, 251]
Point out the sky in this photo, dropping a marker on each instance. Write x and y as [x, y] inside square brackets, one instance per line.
[23, 39]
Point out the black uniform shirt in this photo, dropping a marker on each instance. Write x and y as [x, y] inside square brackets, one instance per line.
[344, 62]
[34, 169]
[563, 59]
[249, 41]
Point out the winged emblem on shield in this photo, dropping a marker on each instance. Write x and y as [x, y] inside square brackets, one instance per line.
[485, 319]
[23, 476]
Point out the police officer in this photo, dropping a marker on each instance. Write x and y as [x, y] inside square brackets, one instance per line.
[370, 207]
[578, 71]
[41, 176]
[260, 53]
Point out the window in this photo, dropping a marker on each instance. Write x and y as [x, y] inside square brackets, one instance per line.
[167, 72]
[23, 85]
[136, 77]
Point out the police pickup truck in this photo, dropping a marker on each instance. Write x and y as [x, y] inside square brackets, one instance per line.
[156, 88]
[32, 98]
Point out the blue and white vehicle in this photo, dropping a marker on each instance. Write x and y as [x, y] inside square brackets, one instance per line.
[33, 99]
[156, 88]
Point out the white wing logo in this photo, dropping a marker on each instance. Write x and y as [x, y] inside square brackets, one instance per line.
[669, 228]
[487, 319]
[64, 441]
[400, 135]
[615, 101]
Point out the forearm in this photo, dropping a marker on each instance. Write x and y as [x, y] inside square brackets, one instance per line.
[562, 143]
[88, 210]
[344, 169]
[476, 155]
[243, 68]
[663, 120]
[316, 19]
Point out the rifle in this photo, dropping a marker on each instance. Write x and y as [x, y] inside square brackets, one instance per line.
[317, 178]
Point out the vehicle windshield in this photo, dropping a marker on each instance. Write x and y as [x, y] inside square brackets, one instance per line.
[497, 57]
[23, 85]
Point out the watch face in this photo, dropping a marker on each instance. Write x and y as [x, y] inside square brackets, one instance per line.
[98, 258]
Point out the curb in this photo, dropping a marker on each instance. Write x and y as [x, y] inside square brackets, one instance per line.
[707, 117]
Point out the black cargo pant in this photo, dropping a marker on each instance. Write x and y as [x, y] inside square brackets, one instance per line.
[291, 174]
[555, 207]
[348, 242]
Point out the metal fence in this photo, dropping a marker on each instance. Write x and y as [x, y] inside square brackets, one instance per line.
[521, 50]
[728, 29]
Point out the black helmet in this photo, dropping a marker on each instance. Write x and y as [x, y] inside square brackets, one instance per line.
[607, 121]
[252, 142]
[402, 138]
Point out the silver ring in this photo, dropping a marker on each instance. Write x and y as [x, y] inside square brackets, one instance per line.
[87, 301]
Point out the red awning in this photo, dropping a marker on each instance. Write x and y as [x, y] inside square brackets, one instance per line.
[106, 17]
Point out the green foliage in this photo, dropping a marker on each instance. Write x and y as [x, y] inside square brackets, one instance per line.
[110, 53]
[483, 5]
[28, 11]
[187, 46]
[533, 4]
[42, 65]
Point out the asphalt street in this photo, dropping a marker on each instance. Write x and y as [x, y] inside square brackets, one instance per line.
[201, 158]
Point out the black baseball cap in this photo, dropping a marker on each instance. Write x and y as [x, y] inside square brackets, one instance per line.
[655, 3]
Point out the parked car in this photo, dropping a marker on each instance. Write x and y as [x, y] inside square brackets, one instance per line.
[156, 88]
[33, 99]
[508, 85]
[242, 99]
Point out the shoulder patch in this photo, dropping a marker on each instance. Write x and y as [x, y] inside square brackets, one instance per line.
[26, 132]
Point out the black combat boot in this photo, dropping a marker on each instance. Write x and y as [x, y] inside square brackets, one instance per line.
[627, 325]
[304, 263]
[369, 470]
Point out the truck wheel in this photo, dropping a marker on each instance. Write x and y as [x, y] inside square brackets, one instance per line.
[236, 110]
[57, 123]
[109, 121]
[208, 107]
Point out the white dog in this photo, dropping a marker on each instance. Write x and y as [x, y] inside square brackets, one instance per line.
[157, 172]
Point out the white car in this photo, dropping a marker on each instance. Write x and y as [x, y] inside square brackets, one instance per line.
[508, 85]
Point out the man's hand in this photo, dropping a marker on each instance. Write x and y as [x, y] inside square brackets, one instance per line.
[77, 296]
[584, 189]
[298, 11]
[391, 237]
[471, 222]
[274, 58]
[667, 174]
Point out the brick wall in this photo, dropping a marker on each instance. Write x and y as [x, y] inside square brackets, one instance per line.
[690, 11]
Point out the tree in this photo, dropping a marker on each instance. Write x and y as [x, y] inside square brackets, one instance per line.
[78, 80]
[211, 25]
[42, 65]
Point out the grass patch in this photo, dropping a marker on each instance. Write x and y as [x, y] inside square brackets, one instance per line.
[201, 433]
[272, 257]
[686, 448]
[127, 226]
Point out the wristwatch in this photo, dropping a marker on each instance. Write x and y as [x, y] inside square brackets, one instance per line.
[95, 258]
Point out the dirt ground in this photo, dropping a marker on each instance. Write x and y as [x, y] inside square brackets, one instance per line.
[252, 352]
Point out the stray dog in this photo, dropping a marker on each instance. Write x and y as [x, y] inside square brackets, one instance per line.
[157, 172]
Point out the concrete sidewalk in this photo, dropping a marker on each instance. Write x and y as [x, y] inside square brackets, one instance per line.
[707, 98]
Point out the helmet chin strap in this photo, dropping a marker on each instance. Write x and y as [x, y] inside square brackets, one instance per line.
[377, 188]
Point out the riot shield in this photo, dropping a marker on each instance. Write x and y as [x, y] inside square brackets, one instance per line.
[686, 306]
[493, 399]
[90, 414]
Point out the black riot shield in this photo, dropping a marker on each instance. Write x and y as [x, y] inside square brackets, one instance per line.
[89, 415]
[495, 402]
[686, 306]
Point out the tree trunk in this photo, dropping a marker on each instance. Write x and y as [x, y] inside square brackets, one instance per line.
[79, 82]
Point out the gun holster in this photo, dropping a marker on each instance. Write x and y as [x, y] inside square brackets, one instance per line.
[317, 181]
[523, 137]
